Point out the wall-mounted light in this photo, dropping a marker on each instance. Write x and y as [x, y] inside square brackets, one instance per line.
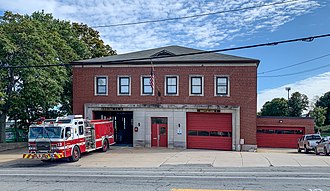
[139, 124]
[280, 121]
[179, 125]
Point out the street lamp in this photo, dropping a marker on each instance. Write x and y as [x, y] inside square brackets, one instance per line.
[288, 89]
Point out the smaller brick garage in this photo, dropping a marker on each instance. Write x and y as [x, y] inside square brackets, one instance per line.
[282, 132]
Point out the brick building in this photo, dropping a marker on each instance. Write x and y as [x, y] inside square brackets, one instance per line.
[159, 99]
[282, 132]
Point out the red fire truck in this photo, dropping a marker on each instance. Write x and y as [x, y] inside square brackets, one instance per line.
[68, 137]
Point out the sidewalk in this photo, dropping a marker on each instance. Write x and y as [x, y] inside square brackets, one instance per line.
[156, 157]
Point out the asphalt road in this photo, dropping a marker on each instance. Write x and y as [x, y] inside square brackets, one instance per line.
[58, 177]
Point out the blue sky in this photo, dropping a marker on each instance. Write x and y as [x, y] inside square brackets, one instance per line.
[299, 18]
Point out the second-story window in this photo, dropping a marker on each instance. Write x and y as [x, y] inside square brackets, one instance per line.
[221, 85]
[196, 85]
[101, 83]
[124, 85]
[146, 86]
[171, 85]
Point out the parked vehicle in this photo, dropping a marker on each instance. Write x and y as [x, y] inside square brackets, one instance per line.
[308, 142]
[68, 137]
[323, 146]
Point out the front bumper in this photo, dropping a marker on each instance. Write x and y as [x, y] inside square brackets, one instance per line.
[43, 156]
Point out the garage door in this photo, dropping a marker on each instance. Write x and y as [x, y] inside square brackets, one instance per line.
[209, 131]
[279, 137]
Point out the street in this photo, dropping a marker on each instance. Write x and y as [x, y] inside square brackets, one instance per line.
[128, 169]
[165, 178]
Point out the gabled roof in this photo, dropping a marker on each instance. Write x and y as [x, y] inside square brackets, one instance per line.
[168, 54]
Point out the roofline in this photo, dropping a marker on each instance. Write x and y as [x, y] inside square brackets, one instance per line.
[155, 61]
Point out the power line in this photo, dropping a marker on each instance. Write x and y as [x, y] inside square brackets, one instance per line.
[304, 39]
[290, 66]
[193, 16]
[295, 73]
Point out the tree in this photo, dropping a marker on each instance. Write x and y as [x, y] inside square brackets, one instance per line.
[297, 104]
[324, 102]
[318, 113]
[36, 40]
[276, 107]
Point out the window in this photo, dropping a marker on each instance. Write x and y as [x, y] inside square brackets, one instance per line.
[192, 132]
[196, 85]
[81, 130]
[146, 86]
[203, 133]
[124, 85]
[171, 85]
[221, 86]
[101, 83]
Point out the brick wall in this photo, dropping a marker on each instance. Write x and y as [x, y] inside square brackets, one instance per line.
[243, 89]
[306, 122]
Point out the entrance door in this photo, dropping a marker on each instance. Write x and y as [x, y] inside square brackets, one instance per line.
[159, 132]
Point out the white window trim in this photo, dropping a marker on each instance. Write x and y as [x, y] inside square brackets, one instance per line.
[177, 85]
[190, 83]
[118, 85]
[141, 86]
[215, 86]
[95, 85]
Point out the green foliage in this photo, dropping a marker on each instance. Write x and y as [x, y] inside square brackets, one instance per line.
[324, 101]
[297, 104]
[36, 40]
[92, 39]
[318, 114]
[281, 107]
[276, 107]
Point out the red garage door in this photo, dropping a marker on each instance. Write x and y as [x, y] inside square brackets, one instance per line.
[209, 131]
[279, 137]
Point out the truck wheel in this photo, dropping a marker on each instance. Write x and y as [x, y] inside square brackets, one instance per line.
[299, 150]
[75, 154]
[105, 145]
[326, 151]
[306, 150]
[316, 153]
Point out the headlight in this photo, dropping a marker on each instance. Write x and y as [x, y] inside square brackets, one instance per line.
[32, 148]
[53, 148]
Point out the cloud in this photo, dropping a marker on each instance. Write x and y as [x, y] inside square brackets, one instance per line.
[202, 32]
[306, 86]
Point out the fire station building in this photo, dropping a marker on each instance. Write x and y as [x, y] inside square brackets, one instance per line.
[174, 97]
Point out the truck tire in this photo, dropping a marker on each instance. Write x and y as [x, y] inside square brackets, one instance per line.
[75, 154]
[299, 150]
[105, 145]
[326, 151]
[316, 153]
[306, 150]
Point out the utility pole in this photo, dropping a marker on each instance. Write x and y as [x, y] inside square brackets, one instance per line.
[288, 89]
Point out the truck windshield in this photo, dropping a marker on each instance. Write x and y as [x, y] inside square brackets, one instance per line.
[313, 137]
[47, 132]
[35, 132]
[52, 132]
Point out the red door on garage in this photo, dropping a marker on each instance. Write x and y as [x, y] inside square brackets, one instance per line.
[209, 131]
[279, 137]
[159, 132]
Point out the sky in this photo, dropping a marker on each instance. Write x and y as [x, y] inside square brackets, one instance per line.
[310, 74]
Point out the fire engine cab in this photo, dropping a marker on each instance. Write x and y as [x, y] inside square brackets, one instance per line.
[68, 137]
